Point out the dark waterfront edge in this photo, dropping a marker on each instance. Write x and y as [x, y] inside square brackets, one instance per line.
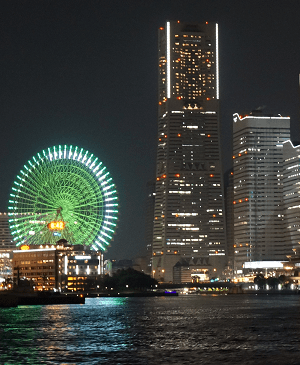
[11, 299]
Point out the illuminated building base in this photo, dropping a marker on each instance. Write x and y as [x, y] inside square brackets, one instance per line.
[61, 267]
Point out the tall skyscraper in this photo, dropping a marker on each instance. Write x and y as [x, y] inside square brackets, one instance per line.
[150, 202]
[229, 198]
[291, 195]
[258, 196]
[189, 203]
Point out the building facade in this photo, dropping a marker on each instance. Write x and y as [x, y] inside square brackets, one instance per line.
[5, 264]
[258, 199]
[229, 198]
[150, 203]
[291, 194]
[189, 203]
[192, 271]
[7, 245]
[58, 267]
[6, 240]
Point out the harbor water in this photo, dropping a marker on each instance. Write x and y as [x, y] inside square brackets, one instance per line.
[191, 329]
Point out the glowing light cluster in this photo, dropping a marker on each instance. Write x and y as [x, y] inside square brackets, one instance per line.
[217, 60]
[56, 225]
[168, 60]
[73, 181]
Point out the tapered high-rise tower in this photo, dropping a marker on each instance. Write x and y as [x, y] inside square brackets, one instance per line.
[189, 204]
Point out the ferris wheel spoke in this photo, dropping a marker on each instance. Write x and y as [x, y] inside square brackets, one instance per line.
[86, 204]
[83, 220]
[83, 226]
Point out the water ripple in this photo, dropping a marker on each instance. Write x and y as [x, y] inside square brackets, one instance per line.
[182, 330]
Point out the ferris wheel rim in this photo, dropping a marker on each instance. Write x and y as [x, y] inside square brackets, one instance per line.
[88, 165]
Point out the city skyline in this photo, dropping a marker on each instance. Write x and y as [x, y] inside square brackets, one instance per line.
[87, 74]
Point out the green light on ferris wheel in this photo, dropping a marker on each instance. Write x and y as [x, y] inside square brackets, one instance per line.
[73, 181]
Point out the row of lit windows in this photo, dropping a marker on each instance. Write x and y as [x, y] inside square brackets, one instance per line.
[187, 36]
[81, 267]
[36, 262]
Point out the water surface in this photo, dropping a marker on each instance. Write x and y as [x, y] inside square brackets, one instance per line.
[203, 329]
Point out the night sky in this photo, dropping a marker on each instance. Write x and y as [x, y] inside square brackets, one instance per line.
[85, 73]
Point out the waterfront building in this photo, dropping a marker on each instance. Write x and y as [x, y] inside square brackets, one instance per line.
[291, 194]
[189, 202]
[6, 240]
[7, 245]
[5, 265]
[258, 199]
[191, 270]
[60, 267]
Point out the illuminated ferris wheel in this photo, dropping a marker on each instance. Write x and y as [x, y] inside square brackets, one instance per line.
[63, 192]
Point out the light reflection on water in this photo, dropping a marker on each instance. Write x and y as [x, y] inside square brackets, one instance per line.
[237, 329]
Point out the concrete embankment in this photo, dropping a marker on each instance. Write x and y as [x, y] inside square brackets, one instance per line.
[240, 290]
[15, 299]
[134, 294]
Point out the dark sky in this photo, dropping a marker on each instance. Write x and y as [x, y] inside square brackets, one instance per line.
[85, 73]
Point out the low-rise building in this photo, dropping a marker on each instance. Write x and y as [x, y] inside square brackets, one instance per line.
[60, 267]
[5, 267]
[192, 270]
